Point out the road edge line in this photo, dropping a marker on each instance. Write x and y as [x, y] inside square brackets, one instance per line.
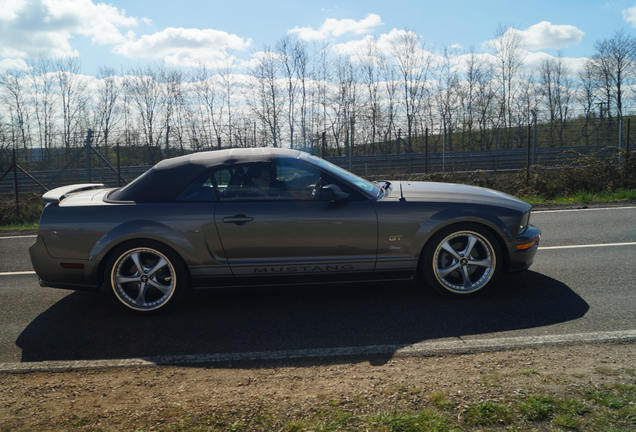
[421, 349]
[535, 211]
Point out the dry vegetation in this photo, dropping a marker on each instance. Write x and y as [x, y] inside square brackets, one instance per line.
[580, 388]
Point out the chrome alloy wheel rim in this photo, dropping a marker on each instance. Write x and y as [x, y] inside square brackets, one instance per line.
[464, 262]
[143, 279]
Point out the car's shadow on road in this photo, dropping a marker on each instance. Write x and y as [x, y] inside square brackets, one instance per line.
[85, 326]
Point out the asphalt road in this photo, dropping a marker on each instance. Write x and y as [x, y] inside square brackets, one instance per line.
[568, 290]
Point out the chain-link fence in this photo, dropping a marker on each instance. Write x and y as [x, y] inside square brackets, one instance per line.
[92, 158]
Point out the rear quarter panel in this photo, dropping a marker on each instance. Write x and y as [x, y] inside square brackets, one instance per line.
[88, 233]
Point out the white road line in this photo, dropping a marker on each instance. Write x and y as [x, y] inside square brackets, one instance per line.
[421, 349]
[587, 245]
[17, 273]
[582, 209]
[18, 236]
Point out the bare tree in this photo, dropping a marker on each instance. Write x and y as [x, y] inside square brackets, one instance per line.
[227, 79]
[105, 110]
[507, 52]
[342, 107]
[485, 101]
[614, 62]
[14, 98]
[289, 67]
[145, 93]
[389, 77]
[268, 105]
[556, 91]
[42, 84]
[372, 60]
[446, 99]
[413, 64]
[587, 96]
[301, 60]
[72, 91]
[210, 103]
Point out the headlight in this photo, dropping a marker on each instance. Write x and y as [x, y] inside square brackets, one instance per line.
[525, 221]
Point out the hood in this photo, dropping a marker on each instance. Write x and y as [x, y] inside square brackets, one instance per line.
[451, 192]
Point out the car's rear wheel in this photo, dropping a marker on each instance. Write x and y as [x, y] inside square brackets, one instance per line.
[145, 276]
[462, 260]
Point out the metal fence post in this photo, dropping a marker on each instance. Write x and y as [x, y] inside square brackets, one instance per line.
[426, 150]
[167, 140]
[87, 147]
[629, 121]
[323, 151]
[15, 184]
[620, 136]
[350, 141]
[534, 136]
[118, 167]
[528, 161]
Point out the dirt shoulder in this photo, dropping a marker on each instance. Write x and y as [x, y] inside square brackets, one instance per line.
[543, 388]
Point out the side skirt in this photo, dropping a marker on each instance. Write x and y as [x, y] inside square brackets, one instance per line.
[290, 280]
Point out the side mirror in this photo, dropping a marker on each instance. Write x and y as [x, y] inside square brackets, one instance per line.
[332, 193]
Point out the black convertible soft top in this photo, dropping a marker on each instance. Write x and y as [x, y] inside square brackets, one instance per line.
[167, 179]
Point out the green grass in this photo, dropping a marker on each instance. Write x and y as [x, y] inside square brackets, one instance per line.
[19, 227]
[596, 408]
[583, 197]
[614, 397]
[488, 414]
[441, 401]
[537, 407]
[422, 421]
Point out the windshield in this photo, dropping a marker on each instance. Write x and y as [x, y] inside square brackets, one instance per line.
[363, 184]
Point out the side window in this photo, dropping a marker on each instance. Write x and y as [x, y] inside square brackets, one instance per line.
[279, 180]
[297, 179]
[250, 181]
[201, 189]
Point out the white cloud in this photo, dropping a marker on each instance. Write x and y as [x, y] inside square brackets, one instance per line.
[184, 46]
[533, 61]
[385, 44]
[13, 64]
[629, 15]
[353, 47]
[545, 35]
[335, 28]
[45, 27]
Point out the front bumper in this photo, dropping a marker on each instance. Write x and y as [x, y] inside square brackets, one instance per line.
[521, 259]
[52, 274]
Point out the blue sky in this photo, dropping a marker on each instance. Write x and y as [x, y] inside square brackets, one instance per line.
[123, 33]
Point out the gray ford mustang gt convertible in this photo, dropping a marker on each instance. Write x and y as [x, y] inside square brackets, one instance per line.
[265, 216]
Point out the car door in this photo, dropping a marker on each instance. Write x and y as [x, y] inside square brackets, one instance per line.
[279, 228]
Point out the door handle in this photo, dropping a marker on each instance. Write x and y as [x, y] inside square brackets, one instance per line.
[238, 219]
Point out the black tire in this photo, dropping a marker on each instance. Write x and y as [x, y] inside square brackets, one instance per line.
[447, 272]
[157, 287]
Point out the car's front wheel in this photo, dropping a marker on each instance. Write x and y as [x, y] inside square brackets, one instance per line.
[145, 276]
[461, 260]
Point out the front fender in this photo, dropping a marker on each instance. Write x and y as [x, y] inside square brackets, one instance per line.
[498, 220]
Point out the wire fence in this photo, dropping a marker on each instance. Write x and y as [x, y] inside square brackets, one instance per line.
[28, 170]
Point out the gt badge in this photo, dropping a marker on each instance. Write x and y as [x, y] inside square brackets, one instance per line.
[393, 238]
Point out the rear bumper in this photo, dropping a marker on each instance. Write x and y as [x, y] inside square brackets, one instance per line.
[52, 274]
[521, 259]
